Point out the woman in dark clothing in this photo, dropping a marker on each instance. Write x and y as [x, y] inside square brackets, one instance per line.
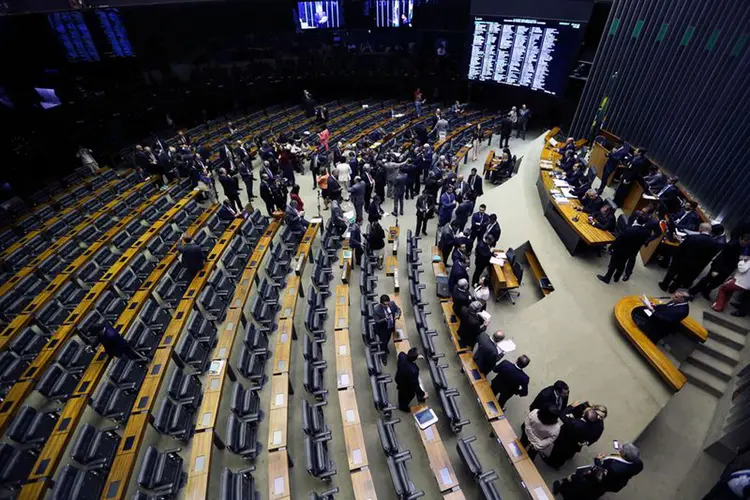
[584, 484]
[374, 212]
[583, 425]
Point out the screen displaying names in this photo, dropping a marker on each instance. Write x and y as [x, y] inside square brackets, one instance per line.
[524, 52]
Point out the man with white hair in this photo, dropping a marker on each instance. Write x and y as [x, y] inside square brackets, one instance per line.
[620, 467]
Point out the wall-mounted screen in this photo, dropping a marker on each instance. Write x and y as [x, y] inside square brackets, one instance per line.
[74, 36]
[394, 13]
[524, 52]
[117, 36]
[319, 14]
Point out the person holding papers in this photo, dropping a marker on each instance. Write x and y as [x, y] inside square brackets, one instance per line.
[658, 321]
[472, 324]
[591, 202]
[407, 379]
[487, 352]
[620, 467]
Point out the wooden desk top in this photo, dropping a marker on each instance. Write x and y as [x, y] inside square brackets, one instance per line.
[341, 337]
[401, 346]
[344, 372]
[456, 495]
[391, 265]
[507, 438]
[470, 369]
[438, 457]
[447, 307]
[283, 350]
[278, 475]
[342, 295]
[364, 489]
[655, 357]
[355, 447]
[228, 334]
[489, 403]
[277, 428]
[588, 233]
[127, 454]
[341, 317]
[532, 480]
[199, 466]
[279, 391]
[505, 276]
[348, 407]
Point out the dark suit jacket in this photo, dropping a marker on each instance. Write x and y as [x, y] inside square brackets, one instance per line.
[696, 251]
[486, 355]
[192, 257]
[592, 206]
[605, 222]
[510, 379]
[619, 471]
[407, 377]
[547, 397]
[476, 184]
[458, 271]
[689, 221]
[379, 315]
[226, 213]
[231, 188]
[667, 317]
[631, 240]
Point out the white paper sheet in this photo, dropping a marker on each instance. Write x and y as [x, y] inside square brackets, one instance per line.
[506, 345]
[278, 485]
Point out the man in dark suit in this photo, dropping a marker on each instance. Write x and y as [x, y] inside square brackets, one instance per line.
[227, 212]
[407, 379]
[266, 194]
[722, 266]
[475, 182]
[510, 379]
[385, 315]
[192, 256]
[487, 354]
[582, 426]
[462, 213]
[692, 256]
[625, 247]
[231, 188]
[555, 396]
[635, 173]
[620, 467]
[655, 180]
[458, 271]
[664, 318]
[294, 219]
[479, 222]
[669, 196]
[614, 158]
[688, 218]
[492, 233]
[604, 219]
[591, 202]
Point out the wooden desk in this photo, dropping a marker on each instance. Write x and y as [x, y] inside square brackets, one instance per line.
[127, 455]
[436, 454]
[278, 475]
[532, 480]
[341, 341]
[438, 268]
[356, 453]
[364, 489]
[279, 391]
[536, 270]
[598, 159]
[507, 438]
[228, 334]
[341, 317]
[289, 298]
[277, 428]
[502, 278]
[348, 407]
[283, 350]
[655, 357]
[571, 225]
[342, 295]
[344, 373]
[199, 466]
[447, 307]
[471, 370]
[487, 399]
[391, 265]
[457, 495]
[401, 346]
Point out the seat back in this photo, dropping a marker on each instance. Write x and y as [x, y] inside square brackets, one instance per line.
[468, 456]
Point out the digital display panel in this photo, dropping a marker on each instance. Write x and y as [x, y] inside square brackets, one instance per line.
[320, 14]
[394, 13]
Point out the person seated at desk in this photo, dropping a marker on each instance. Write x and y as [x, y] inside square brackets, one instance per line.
[669, 196]
[687, 218]
[567, 161]
[692, 256]
[575, 176]
[655, 180]
[569, 145]
[294, 218]
[591, 202]
[663, 319]
[461, 296]
[472, 324]
[604, 219]
[503, 169]
[487, 353]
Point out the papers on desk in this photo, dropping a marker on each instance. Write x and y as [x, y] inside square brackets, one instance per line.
[566, 192]
[506, 345]
[398, 115]
[561, 183]
[649, 197]
[560, 198]
[500, 255]
[546, 165]
[539, 493]
[553, 142]
[497, 260]
[485, 316]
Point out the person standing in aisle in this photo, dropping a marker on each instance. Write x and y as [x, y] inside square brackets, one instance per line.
[523, 120]
[407, 379]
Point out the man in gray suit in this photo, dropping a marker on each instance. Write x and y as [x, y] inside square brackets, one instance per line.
[486, 352]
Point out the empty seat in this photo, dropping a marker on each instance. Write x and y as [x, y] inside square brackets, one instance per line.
[256, 338]
[194, 352]
[75, 357]
[11, 367]
[110, 305]
[28, 343]
[110, 401]
[135, 228]
[211, 304]
[127, 374]
[405, 489]
[142, 338]
[123, 240]
[242, 437]
[57, 383]
[185, 388]
[264, 311]
[104, 258]
[238, 485]
[161, 473]
[90, 273]
[253, 364]
[388, 439]
[88, 328]
[78, 484]
[313, 350]
[201, 328]
[51, 316]
[313, 419]
[326, 495]
[379, 386]
[70, 295]
[157, 247]
[94, 448]
[156, 317]
[88, 234]
[127, 282]
[31, 427]
[313, 378]
[141, 266]
[15, 465]
[448, 400]
[175, 419]
[223, 285]
[246, 403]
[53, 265]
[319, 463]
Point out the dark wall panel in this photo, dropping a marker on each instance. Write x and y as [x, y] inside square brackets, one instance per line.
[677, 79]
